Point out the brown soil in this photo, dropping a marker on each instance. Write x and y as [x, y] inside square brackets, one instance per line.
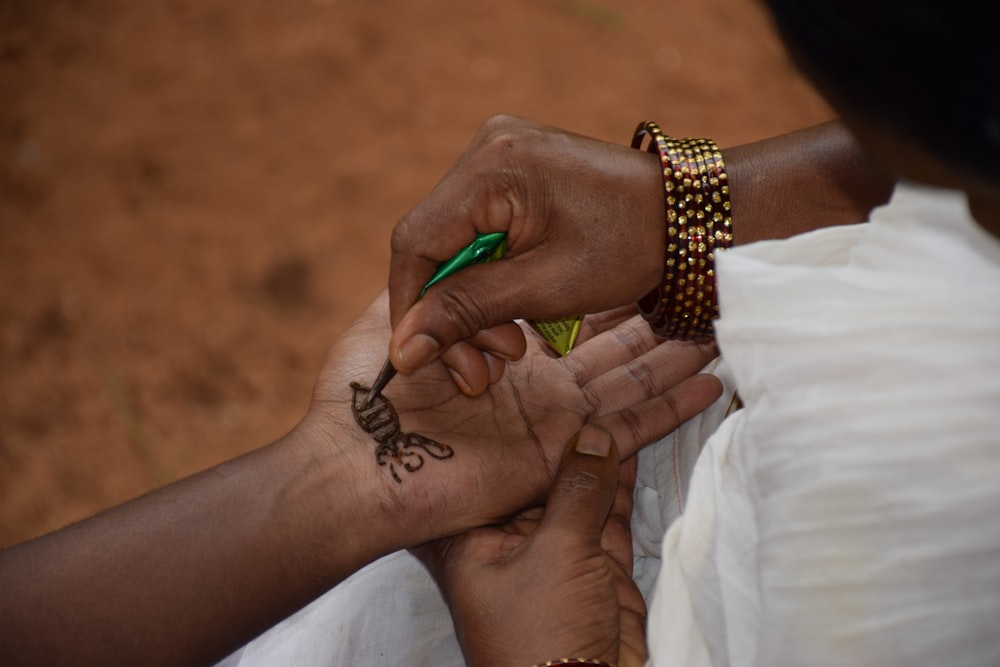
[197, 195]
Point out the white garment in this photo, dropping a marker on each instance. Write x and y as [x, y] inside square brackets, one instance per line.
[850, 513]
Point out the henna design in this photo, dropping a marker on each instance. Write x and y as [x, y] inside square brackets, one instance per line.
[395, 448]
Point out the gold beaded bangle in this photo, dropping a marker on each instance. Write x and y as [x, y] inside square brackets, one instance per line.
[699, 224]
[574, 662]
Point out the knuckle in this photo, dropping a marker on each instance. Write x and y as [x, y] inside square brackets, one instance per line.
[398, 238]
[573, 366]
[498, 124]
[633, 424]
[630, 339]
[403, 238]
[592, 400]
[505, 134]
[643, 375]
[670, 402]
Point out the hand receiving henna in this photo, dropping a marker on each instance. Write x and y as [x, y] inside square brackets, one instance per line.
[551, 583]
[499, 451]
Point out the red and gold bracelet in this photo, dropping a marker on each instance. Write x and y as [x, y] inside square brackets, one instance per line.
[699, 224]
[574, 662]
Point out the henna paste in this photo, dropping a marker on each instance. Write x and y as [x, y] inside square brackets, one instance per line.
[395, 448]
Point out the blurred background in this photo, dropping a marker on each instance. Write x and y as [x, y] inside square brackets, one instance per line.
[196, 196]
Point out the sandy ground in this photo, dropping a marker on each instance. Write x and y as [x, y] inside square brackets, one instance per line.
[196, 196]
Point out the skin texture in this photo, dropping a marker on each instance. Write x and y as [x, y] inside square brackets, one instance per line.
[584, 212]
[189, 572]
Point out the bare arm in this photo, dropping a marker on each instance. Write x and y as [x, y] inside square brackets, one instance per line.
[805, 180]
[189, 572]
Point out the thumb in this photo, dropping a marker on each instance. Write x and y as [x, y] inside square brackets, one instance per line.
[585, 486]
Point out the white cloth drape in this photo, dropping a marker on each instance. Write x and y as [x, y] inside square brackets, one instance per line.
[850, 514]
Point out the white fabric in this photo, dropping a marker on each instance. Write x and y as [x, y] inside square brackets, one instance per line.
[850, 514]
[390, 612]
[663, 478]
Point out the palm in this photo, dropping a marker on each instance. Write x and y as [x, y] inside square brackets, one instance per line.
[508, 441]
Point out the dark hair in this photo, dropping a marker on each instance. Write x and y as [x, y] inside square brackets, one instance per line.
[929, 69]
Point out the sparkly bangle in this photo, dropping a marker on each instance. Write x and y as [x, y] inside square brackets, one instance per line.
[699, 224]
[574, 662]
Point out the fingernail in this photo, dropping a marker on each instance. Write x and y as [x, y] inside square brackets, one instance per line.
[417, 351]
[593, 441]
[460, 381]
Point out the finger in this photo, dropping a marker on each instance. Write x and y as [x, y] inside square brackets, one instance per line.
[480, 361]
[496, 367]
[610, 349]
[646, 376]
[597, 323]
[505, 341]
[498, 345]
[635, 427]
[583, 490]
[468, 368]
[473, 370]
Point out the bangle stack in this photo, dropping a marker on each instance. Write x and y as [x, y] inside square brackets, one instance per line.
[699, 224]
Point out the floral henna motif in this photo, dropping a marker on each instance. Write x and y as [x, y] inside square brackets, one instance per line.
[395, 448]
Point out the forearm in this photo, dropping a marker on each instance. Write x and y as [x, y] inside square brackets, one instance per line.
[797, 182]
[189, 572]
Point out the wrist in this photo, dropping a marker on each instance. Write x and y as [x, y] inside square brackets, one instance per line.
[342, 492]
[651, 194]
[356, 491]
[804, 180]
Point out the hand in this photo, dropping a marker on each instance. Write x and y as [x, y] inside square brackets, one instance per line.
[585, 232]
[551, 583]
[508, 441]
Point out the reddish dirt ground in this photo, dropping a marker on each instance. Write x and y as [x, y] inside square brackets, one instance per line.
[197, 196]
